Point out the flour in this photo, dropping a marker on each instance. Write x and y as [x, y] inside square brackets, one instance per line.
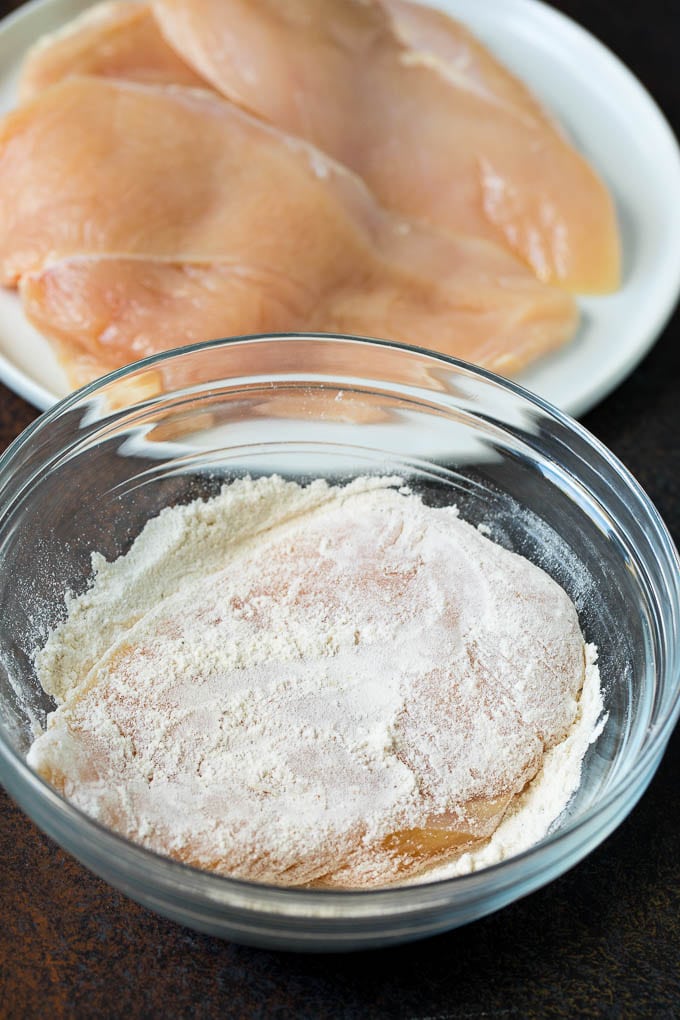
[319, 685]
[535, 810]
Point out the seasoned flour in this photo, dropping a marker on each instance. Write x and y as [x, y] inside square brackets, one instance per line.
[318, 685]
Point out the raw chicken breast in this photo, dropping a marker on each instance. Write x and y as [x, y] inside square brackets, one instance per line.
[117, 39]
[454, 52]
[456, 142]
[142, 217]
[119, 309]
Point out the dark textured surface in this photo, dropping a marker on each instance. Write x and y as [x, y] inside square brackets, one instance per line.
[603, 940]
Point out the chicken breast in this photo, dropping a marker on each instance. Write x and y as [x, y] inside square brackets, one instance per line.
[137, 218]
[448, 47]
[335, 687]
[114, 39]
[107, 311]
[456, 142]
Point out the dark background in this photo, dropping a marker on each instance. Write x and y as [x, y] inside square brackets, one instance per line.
[603, 940]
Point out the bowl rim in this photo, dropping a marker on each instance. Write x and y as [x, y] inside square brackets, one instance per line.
[422, 890]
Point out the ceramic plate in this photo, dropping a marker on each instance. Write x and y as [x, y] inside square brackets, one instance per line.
[610, 117]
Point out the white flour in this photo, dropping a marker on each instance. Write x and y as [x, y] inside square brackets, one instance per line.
[318, 685]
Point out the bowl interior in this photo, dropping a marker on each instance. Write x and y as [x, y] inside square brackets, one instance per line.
[109, 471]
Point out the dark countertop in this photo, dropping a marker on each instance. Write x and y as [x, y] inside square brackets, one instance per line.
[603, 940]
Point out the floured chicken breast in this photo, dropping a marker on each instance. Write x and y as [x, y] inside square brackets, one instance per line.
[138, 218]
[341, 689]
[437, 131]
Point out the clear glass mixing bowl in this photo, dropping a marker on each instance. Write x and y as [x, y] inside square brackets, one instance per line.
[92, 470]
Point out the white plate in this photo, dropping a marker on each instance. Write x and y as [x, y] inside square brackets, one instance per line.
[613, 121]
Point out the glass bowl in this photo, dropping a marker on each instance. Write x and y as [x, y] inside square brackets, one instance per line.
[93, 469]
